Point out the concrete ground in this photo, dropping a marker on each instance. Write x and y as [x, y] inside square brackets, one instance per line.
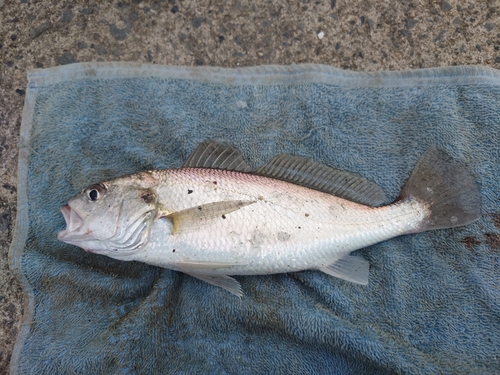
[357, 35]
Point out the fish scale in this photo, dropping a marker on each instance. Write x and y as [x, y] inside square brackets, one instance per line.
[287, 228]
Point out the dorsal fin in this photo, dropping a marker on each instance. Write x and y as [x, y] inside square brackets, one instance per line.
[213, 154]
[290, 168]
[317, 176]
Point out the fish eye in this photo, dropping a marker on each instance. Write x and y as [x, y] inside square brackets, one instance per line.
[95, 192]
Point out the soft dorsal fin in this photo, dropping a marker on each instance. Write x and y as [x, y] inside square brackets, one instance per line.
[213, 154]
[317, 176]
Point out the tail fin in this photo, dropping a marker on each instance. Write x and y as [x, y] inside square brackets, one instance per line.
[447, 188]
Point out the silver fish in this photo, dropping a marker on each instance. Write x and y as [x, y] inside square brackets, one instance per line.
[215, 217]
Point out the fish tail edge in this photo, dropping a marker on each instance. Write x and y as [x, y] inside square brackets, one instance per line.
[447, 188]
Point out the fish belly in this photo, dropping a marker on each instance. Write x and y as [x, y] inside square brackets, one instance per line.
[284, 228]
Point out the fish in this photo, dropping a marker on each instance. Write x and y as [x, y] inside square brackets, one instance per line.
[216, 217]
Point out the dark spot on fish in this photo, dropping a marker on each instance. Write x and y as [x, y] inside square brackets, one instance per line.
[496, 220]
[307, 215]
[215, 182]
[173, 250]
[493, 240]
[147, 196]
[470, 242]
[283, 236]
[223, 216]
[189, 191]
[261, 198]
[298, 227]
[199, 208]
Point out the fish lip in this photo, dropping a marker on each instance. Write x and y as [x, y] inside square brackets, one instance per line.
[73, 222]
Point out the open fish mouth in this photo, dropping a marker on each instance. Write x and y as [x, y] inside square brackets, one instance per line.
[73, 222]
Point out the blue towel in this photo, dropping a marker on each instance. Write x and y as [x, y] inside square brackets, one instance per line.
[433, 302]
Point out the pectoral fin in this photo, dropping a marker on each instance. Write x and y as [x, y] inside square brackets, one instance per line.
[192, 218]
[223, 281]
[349, 268]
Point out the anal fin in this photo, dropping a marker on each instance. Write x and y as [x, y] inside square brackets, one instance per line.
[223, 281]
[349, 268]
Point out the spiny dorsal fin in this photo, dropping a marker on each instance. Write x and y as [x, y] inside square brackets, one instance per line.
[317, 176]
[194, 217]
[213, 154]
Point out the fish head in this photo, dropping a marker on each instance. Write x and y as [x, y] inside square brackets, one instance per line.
[112, 218]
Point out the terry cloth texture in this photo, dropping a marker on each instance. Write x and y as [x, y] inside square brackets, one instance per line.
[433, 302]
